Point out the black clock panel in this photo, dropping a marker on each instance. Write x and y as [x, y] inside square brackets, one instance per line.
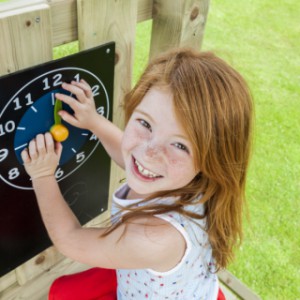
[26, 109]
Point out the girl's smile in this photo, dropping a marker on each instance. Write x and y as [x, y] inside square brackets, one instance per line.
[143, 172]
[157, 152]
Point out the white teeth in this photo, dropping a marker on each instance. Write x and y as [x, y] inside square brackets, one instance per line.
[145, 172]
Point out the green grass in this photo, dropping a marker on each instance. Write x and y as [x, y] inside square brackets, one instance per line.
[261, 39]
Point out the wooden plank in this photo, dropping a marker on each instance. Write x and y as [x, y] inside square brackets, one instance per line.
[26, 33]
[8, 280]
[37, 265]
[237, 286]
[64, 21]
[145, 8]
[12, 5]
[64, 18]
[38, 288]
[178, 23]
[104, 21]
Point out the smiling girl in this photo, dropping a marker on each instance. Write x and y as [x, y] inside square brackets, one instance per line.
[177, 219]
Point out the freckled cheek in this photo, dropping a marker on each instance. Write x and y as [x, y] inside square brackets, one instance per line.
[133, 137]
[180, 163]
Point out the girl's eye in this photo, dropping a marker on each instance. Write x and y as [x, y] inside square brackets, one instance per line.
[145, 124]
[181, 147]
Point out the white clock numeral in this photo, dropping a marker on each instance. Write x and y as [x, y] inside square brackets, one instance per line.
[3, 154]
[77, 77]
[95, 90]
[13, 173]
[80, 157]
[56, 81]
[17, 101]
[29, 99]
[59, 173]
[100, 110]
[93, 137]
[9, 126]
[46, 82]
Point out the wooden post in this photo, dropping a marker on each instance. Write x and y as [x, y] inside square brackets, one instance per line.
[25, 32]
[178, 23]
[101, 21]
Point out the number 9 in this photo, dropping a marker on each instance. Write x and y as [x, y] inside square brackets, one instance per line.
[3, 154]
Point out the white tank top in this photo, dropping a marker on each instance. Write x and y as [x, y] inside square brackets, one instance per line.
[192, 278]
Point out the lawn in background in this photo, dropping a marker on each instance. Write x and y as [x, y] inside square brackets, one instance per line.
[261, 38]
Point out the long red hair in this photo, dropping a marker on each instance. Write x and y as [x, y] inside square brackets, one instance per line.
[214, 105]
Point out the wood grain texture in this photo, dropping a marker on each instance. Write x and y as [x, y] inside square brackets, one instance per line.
[25, 37]
[105, 21]
[178, 23]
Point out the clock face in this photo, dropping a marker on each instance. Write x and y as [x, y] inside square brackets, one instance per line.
[27, 109]
[30, 111]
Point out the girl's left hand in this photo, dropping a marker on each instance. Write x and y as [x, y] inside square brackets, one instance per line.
[42, 156]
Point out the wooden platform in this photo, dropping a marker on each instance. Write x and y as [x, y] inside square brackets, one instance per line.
[233, 288]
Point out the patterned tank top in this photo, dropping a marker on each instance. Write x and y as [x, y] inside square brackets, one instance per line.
[192, 278]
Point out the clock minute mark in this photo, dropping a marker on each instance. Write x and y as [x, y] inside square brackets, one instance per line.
[53, 98]
[85, 134]
[20, 147]
[73, 150]
[34, 109]
[21, 128]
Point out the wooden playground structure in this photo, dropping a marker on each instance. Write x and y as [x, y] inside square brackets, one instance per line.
[28, 32]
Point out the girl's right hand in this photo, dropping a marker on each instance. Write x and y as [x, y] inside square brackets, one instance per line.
[42, 156]
[84, 108]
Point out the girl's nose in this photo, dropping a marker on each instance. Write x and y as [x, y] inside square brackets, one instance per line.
[154, 150]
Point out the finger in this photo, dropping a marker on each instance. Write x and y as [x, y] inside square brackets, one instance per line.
[25, 156]
[49, 142]
[76, 90]
[69, 118]
[85, 87]
[66, 99]
[58, 148]
[32, 149]
[40, 144]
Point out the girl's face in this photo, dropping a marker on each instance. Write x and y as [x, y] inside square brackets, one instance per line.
[157, 153]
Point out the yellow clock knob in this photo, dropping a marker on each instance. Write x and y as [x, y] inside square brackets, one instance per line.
[59, 132]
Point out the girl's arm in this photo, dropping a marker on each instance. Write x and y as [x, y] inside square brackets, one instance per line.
[143, 243]
[85, 116]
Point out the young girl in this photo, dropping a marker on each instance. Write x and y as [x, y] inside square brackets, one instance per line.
[177, 219]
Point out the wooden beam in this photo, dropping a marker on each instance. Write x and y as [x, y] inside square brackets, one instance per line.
[64, 18]
[104, 21]
[178, 23]
[238, 287]
[25, 36]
